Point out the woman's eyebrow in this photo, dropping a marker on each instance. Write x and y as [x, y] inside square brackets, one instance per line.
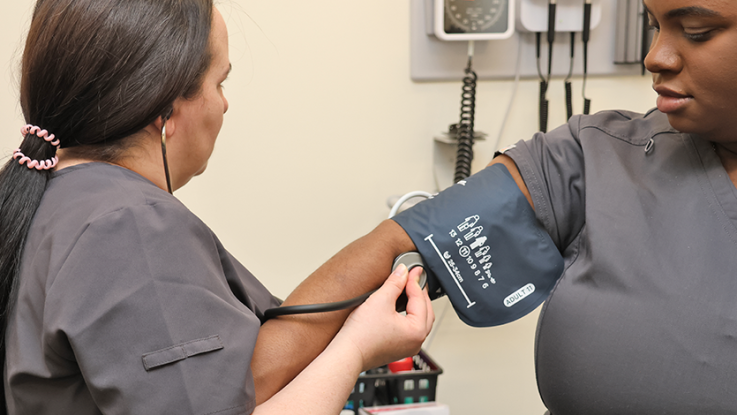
[692, 11]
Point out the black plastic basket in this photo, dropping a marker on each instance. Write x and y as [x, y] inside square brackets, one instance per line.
[379, 386]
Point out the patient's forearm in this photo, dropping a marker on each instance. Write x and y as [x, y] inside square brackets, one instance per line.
[288, 344]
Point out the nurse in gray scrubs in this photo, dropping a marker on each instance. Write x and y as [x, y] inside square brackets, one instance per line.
[114, 297]
[643, 209]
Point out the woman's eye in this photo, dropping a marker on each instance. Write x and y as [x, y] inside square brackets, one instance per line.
[698, 36]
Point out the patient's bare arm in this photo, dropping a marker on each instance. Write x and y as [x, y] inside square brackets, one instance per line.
[288, 344]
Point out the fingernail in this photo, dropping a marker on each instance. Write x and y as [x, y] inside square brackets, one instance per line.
[401, 269]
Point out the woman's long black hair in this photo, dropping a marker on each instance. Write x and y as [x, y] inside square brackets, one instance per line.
[94, 73]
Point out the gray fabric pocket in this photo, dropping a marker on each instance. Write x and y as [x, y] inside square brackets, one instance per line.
[181, 351]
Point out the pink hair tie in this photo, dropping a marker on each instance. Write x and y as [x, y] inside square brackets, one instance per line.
[33, 129]
[35, 164]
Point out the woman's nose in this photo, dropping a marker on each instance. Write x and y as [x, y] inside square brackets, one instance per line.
[663, 55]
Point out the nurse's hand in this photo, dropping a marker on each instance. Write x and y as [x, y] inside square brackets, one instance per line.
[378, 332]
[373, 335]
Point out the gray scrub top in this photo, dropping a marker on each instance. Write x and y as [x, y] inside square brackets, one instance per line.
[644, 318]
[128, 304]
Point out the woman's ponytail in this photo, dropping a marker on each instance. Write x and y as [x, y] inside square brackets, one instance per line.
[21, 188]
[22, 184]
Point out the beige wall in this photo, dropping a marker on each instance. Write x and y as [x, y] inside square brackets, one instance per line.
[324, 125]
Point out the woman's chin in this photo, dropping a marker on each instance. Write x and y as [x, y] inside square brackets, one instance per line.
[684, 125]
[202, 170]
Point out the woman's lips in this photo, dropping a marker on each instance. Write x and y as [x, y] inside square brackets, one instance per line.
[670, 101]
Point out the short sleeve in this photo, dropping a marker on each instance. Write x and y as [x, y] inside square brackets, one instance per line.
[552, 166]
[246, 288]
[146, 309]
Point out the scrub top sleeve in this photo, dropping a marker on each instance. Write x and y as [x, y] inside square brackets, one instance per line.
[143, 304]
[245, 286]
[552, 166]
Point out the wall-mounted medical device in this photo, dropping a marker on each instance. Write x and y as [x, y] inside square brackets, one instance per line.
[494, 20]
[533, 15]
[433, 59]
[470, 21]
[473, 19]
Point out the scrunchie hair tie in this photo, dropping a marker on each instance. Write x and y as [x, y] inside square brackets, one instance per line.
[35, 164]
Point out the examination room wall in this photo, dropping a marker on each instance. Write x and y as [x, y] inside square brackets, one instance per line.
[324, 125]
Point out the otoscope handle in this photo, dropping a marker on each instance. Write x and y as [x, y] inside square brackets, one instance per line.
[551, 22]
[586, 21]
[644, 40]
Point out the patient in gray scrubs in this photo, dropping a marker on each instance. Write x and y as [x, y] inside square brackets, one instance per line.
[643, 209]
[115, 297]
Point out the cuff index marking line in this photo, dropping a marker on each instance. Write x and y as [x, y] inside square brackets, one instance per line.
[429, 239]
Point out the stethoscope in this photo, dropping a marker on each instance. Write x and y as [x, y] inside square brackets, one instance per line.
[410, 259]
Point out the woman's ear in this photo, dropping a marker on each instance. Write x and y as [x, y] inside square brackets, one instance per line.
[171, 123]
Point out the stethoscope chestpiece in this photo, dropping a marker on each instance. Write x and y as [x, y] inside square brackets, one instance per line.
[412, 260]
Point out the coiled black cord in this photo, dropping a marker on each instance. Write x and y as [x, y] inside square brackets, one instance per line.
[464, 156]
[569, 100]
[544, 106]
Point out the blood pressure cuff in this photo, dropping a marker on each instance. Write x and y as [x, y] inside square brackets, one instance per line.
[480, 241]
